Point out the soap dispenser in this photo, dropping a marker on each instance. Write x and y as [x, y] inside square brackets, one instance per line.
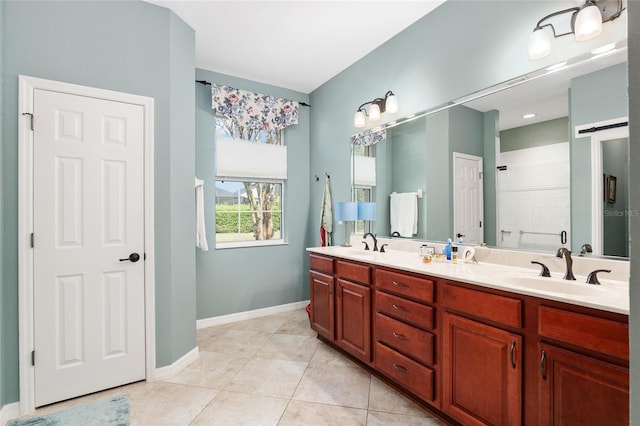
[447, 249]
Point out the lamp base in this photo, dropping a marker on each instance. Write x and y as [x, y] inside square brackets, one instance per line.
[346, 242]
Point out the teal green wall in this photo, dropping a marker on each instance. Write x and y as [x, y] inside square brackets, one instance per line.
[409, 147]
[439, 217]
[615, 162]
[588, 103]
[535, 135]
[244, 279]
[131, 47]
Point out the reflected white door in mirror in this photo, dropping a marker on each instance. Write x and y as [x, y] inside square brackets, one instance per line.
[467, 199]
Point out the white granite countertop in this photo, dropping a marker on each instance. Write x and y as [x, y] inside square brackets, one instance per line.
[611, 295]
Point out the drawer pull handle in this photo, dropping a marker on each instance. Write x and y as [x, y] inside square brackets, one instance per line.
[397, 284]
[543, 366]
[399, 308]
[512, 354]
[400, 336]
[400, 368]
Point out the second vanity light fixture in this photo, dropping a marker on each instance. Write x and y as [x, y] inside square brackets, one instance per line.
[379, 105]
[586, 24]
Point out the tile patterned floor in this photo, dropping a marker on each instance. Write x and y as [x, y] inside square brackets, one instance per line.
[266, 371]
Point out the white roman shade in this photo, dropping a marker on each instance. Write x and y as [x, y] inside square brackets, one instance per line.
[365, 171]
[241, 159]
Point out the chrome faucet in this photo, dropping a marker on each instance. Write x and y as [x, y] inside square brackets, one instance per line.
[568, 275]
[375, 241]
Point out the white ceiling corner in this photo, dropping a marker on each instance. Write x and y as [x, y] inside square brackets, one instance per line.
[298, 45]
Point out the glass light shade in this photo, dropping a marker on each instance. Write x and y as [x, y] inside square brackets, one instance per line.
[391, 104]
[359, 119]
[539, 44]
[346, 211]
[374, 112]
[588, 23]
[366, 211]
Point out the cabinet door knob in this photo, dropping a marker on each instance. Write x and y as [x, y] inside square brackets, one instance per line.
[543, 366]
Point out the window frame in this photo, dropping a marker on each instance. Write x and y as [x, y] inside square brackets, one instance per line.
[283, 240]
[255, 243]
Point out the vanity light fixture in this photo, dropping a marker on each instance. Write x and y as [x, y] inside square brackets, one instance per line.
[378, 106]
[586, 24]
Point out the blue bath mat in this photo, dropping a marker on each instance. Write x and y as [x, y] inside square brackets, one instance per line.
[109, 412]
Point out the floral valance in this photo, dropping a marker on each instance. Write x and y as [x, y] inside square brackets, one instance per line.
[253, 110]
[369, 137]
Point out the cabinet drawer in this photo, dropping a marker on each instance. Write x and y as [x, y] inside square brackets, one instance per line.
[410, 341]
[492, 307]
[404, 309]
[353, 272]
[598, 334]
[406, 372]
[406, 285]
[321, 264]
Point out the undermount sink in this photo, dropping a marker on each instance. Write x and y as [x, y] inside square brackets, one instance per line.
[556, 285]
[360, 252]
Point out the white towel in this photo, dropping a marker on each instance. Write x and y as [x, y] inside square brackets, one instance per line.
[403, 213]
[201, 233]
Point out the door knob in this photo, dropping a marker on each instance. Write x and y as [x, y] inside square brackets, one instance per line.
[459, 235]
[133, 257]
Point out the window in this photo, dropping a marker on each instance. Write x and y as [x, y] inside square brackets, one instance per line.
[248, 212]
[250, 180]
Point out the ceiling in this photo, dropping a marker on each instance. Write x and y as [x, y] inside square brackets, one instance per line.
[298, 45]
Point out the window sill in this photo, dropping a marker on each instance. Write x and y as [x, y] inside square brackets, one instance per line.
[248, 244]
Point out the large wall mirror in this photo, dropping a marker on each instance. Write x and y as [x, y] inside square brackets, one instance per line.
[506, 167]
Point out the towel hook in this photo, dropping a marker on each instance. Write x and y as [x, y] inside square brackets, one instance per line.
[328, 177]
[317, 178]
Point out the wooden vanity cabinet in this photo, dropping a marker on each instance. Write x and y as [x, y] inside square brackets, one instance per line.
[353, 309]
[482, 370]
[584, 375]
[341, 304]
[322, 316]
[404, 323]
[473, 355]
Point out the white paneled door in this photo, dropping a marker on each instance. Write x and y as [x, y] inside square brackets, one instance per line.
[88, 245]
[467, 201]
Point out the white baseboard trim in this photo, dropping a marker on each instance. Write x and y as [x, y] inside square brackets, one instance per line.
[9, 411]
[173, 369]
[257, 313]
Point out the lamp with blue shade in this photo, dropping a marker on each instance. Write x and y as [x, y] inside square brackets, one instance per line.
[367, 211]
[346, 211]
